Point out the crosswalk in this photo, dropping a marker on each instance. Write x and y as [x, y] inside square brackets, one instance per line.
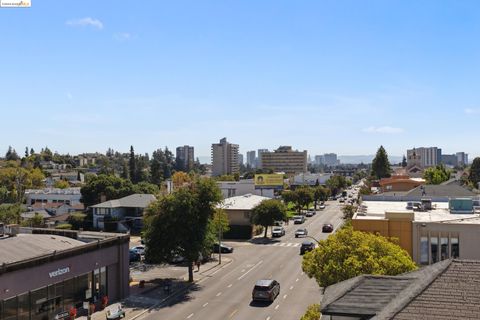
[285, 244]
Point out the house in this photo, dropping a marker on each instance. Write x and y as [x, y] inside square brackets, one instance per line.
[445, 290]
[122, 214]
[239, 188]
[400, 183]
[238, 210]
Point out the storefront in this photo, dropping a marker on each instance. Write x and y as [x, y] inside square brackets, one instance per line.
[72, 277]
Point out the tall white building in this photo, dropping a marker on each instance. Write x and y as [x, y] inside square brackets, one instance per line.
[319, 160]
[330, 159]
[259, 159]
[462, 158]
[429, 157]
[251, 158]
[224, 158]
[240, 159]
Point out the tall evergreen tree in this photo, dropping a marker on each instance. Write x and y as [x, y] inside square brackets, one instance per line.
[404, 161]
[11, 154]
[26, 152]
[132, 165]
[32, 151]
[474, 175]
[381, 165]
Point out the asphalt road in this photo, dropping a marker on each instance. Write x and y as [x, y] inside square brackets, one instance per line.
[226, 295]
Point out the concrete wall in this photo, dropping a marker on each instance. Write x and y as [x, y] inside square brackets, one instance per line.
[238, 217]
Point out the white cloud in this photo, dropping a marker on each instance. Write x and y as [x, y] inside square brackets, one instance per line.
[384, 129]
[472, 111]
[85, 22]
[122, 36]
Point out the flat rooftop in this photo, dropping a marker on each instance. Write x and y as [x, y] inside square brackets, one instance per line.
[375, 210]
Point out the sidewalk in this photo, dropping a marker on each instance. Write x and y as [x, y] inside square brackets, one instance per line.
[153, 294]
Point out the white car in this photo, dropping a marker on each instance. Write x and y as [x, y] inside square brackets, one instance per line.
[278, 231]
[321, 207]
[139, 249]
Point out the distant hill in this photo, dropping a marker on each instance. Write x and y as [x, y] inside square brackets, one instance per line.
[356, 159]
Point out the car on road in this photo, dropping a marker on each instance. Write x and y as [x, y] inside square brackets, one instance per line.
[266, 290]
[309, 213]
[278, 231]
[322, 207]
[341, 200]
[278, 223]
[133, 256]
[298, 219]
[222, 247]
[307, 246]
[327, 227]
[139, 249]
[302, 232]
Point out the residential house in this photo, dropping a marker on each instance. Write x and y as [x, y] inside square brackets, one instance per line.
[400, 183]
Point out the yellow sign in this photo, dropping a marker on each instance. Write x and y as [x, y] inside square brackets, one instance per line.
[15, 3]
[269, 180]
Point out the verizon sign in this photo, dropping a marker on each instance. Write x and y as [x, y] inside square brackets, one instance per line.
[59, 272]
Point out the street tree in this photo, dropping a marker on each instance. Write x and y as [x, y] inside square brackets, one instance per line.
[313, 313]
[474, 175]
[380, 164]
[289, 196]
[267, 212]
[304, 197]
[348, 212]
[436, 175]
[348, 253]
[178, 223]
[336, 183]
[320, 194]
[10, 213]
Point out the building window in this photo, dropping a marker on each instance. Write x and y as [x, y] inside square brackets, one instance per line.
[39, 303]
[10, 309]
[24, 306]
[69, 293]
[455, 247]
[434, 249]
[443, 248]
[424, 250]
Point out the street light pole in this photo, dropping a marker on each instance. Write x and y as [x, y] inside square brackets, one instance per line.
[318, 242]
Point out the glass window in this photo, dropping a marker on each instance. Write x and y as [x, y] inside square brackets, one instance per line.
[68, 294]
[434, 249]
[10, 309]
[443, 248]
[455, 247]
[57, 298]
[24, 306]
[84, 282]
[424, 250]
[96, 284]
[39, 303]
[103, 281]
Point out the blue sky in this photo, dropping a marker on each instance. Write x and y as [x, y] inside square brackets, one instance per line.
[326, 76]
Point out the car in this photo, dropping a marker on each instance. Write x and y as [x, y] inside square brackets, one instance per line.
[133, 256]
[309, 213]
[341, 200]
[322, 207]
[177, 259]
[298, 219]
[139, 249]
[278, 223]
[302, 232]
[307, 246]
[278, 231]
[222, 247]
[266, 290]
[327, 227]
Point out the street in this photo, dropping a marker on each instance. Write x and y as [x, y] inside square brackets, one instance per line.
[226, 294]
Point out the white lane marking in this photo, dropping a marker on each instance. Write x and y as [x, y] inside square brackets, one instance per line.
[230, 285]
[291, 288]
[289, 244]
[277, 306]
[256, 265]
[205, 304]
[284, 296]
[268, 318]
[282, 244]
[276, 244]
[296, 280]
[219, 294]
[191, 315]
[297, 245]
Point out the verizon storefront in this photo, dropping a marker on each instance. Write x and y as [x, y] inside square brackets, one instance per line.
[45, 276]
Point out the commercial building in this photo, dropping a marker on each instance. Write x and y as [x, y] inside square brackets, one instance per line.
[445, 290]
[319, 160]
[239, 188]
[429, 157]
[224, 158]
[240, 159]
[330, 159]
[259, 157]
[400, 183]
[462, 158]
[47, 273]
[450, 160]
[251, 159]
[284, 159]
[310, 179]
[185, 158]
[70, 196]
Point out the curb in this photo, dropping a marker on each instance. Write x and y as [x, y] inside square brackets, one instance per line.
[177, 292]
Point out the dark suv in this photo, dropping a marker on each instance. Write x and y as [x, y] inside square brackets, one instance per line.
[307, 246]
[265, 290]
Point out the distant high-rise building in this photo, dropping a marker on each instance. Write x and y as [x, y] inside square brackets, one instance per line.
[224, 158]
[330, 159]
[284, 159]
[462, 158]
[251, 158]
[429, 157]
[319, 160]
[240, 159]
[185, 158]
[259, 159]
[450, 159]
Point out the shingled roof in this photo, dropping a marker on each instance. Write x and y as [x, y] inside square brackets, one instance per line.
[449, 190]
[449, 289]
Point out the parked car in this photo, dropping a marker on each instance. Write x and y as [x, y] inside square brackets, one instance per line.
[302, 232]
[278, 231]
[139, 249]
[177, 259]
[114, 311]
[322, 206]
[298, 219]
[309, 213]
[134, 256]
[327, 227]
[224, 248]
[341, 200]
[307, 246]
[266, 290]
[278, 223]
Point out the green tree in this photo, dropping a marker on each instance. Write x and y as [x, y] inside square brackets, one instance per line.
[110, 186]
[177, 224]
[313, 313]
[36, 221]
[474, 175]
[11, 154]
[381, 165]
[320, 194]
[10, 213]
[61, 184]
[436, 175]
[336, 183]
[348, 212]
[267, 212]
[3, 194]
[217, 225]
[404, 161]
[77, 220]
[145, 187]
[304, 197]
[132, 166]
[17, 179]
[348, 253]
[289, 196]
